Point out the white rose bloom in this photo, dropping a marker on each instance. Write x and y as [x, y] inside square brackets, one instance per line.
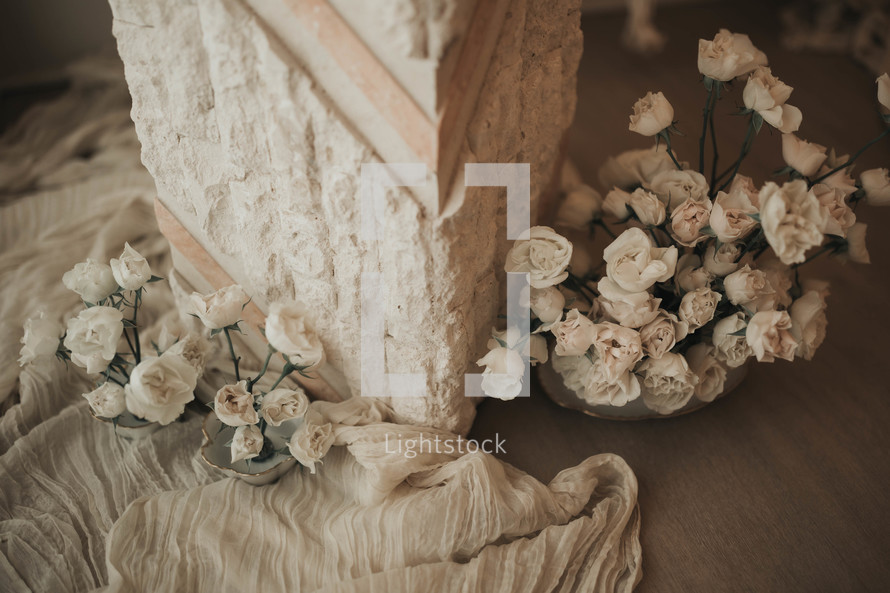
[690, 274]
[668, 383]
[41, 339]
[837, 216]
[504, 369]
[766, 94]
[131, 271]
[630, 309]
[697, 307]
[573, 370]
[769, 335]
[711, 374]
[92, 337]
[750, 289]
[791, 217]
[731, 349]
[617, 204]
[728, 56]
[219, 309]
[578, 209]
[841, 178]
[234, 405]
[94, 282]
[312, 440]
[545, 255]
[723, 260]
[534, 346]
[619, 348]
[779, 276]
[802, 156]
[815, 285]
[282, 404]
[600, 390]
[547, 304]
[884, 90]
[730, 216]
[808, 323]
[651, 115]
[688, 220]
[648, 208]
[876, 183]
[673, 187]
[635, 265]
[574, 335]
[159, 388]
[635, 167]
[247, 443]
[856, 249]
[107, 400]
[744, 184]
[193, 348]
[289, 331]
[662, 333]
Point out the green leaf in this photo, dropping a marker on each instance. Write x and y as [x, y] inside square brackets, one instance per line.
[740, 332]
[708, 82]
[755, 216]
[215, 332]
[154, 279]
[500, 342]
[757, 122]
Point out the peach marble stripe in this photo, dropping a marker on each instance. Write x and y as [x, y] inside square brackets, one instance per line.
[216, 276]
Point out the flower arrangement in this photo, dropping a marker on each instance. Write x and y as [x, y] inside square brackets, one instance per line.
[266, 424]
[702, 273]
[132, 387]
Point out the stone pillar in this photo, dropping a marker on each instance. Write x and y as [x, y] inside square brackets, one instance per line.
[256, 116]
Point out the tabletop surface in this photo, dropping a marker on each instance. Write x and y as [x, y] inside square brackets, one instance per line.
[783, 485]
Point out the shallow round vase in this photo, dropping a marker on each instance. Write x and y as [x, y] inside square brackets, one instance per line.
[129, 426]
[217, 454]
[553, 385]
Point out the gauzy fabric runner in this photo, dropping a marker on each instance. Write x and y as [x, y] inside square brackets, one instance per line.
[82, 509]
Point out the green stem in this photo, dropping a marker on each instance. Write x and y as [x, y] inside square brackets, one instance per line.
[822, 251]
[256, 379]
[654, 237]
[704, 129]
[113, 380]
[138, 352]
[746, 148]
[673, 158]
[606, 228]
[714, 147]
[850, 161]
[235, 359]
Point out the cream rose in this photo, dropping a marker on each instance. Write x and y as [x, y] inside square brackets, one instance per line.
[750, 289]
[876, 183]
[711, 374]
[728, 56]
[856, 250]
[648, 208]
[547, 304]
[730, 216]
[234, 405]
[802, 156]
[766, 94]
[630, 309]
[94, 282]
[247, 443]
[573, 370]
[533, 347]
[92, 337]
[884, 90]
[837, 216]
[289, 331]
[697, 307]
[635, 265]
[688, 220]
[769, 335]
[728, 347]
[668, 382]
[107, 400]
[674, 187]
[574, 335]
[723, 260]
[791, 217]
[579, 207]
[280, 405]
[662, 333]
[193, 348]
[808, 323]
[504, 370]
[600, 390]
[617, 204]
[635, 167]
[41, 339]
[312, 440]
[219, 309]
[159, 388]
[651, 115]
[744, 184]
[131, 271]
[690, 274]
[545, 255]
[619, 348]
[779, 276]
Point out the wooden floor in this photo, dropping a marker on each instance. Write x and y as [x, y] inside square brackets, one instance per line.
[785, 484]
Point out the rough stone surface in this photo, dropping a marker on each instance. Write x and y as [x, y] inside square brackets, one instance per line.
[242, 143]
